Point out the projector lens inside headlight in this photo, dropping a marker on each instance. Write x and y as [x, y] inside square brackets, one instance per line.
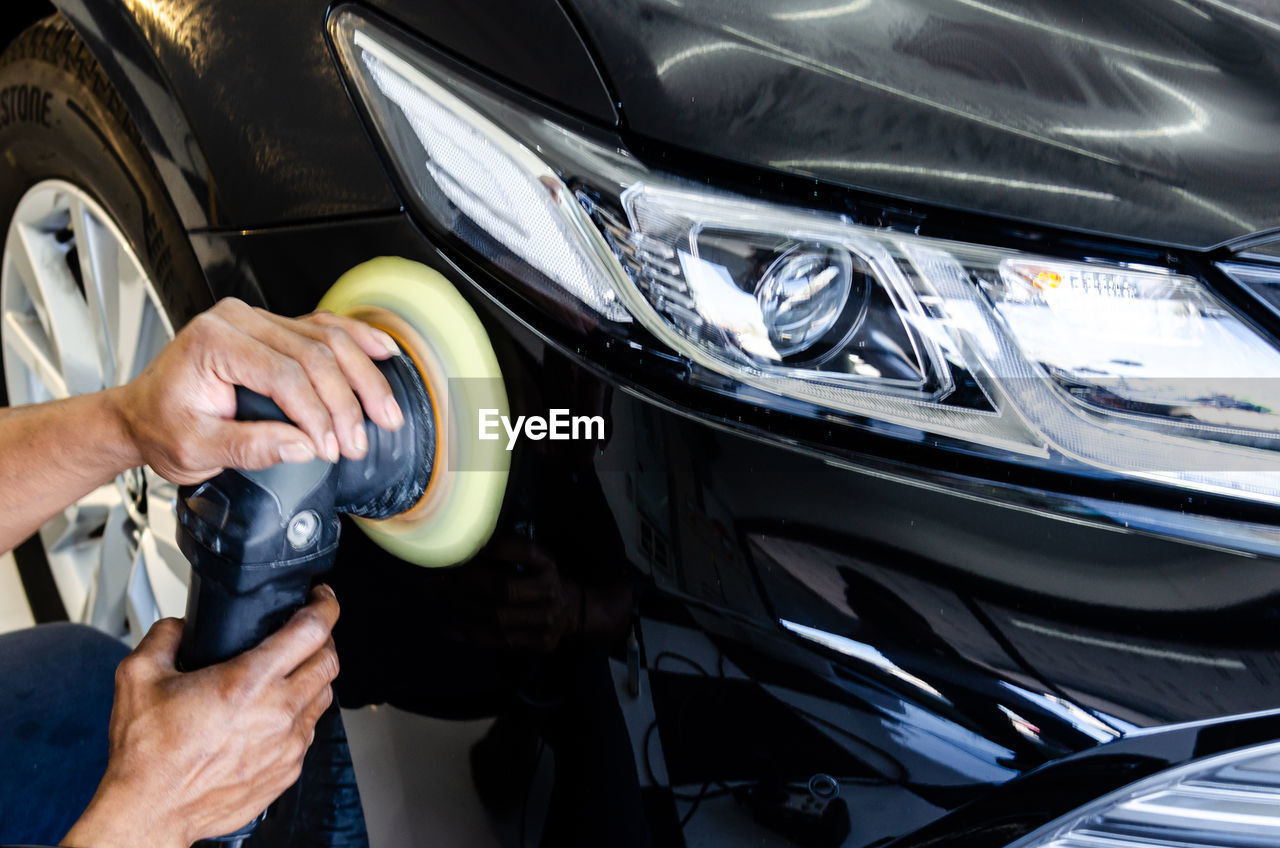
[803, 295]
[1095, 367]
[1227, 801]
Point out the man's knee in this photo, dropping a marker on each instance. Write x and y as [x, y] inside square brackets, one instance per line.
[61, 647]
[65, 636]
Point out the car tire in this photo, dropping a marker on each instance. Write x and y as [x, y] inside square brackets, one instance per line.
[63, 128]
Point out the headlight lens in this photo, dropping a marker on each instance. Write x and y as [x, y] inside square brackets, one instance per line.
[1097, 366]
[1151, 344]
[795, 299]
[472, 174]
[1229, 800]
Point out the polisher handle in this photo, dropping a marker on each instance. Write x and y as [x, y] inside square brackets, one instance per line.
[224, 619]
[251, 406]
[257, 539]
[233, 605]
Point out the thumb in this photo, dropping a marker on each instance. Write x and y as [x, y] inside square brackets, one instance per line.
[254, 445]
[160, 645]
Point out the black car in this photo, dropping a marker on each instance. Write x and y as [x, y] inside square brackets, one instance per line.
[937, 346]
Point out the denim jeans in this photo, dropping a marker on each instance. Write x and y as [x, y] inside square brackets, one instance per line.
[56, 683]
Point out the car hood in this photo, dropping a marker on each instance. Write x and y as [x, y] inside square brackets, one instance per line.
[1156, 120]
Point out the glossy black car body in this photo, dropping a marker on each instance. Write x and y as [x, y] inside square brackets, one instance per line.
[1027, 640]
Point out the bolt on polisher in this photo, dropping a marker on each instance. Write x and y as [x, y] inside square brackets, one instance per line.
[429, 492]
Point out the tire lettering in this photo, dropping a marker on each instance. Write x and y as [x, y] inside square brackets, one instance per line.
[25, 104]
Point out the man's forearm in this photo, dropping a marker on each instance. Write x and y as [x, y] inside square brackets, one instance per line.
[52, 454]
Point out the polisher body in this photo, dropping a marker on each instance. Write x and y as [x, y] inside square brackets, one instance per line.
[257, 539]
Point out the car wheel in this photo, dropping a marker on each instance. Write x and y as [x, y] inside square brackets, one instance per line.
[96, 275]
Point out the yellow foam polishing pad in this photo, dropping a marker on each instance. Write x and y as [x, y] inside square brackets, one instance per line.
[441, 333]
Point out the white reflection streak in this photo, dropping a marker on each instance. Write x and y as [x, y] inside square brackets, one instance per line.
[1200, 12]
[1248, 226]
[1096, 42]
[824, 13]
[1197, 122]
[1140, 650]
[1257, 19]
[859, 651]
[958, 176]
[694, 52]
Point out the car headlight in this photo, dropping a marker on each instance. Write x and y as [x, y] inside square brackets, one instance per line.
[1228, 800]
[1093, 365]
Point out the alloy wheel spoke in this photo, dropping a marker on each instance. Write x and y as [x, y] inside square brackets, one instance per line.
[99, 255]
[138, 327]
[84, 521]
[162, 522]
[141, 609]
[66, 312]
[22, 265]
[26, 338]
[168, 588]
[105, 608]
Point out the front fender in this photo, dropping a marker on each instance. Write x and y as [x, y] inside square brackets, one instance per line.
[240, 106]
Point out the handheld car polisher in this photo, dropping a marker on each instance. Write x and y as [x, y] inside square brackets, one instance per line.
[429, 492]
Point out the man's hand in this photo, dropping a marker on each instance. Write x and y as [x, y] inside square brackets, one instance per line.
[199, 754]
[179, 412]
